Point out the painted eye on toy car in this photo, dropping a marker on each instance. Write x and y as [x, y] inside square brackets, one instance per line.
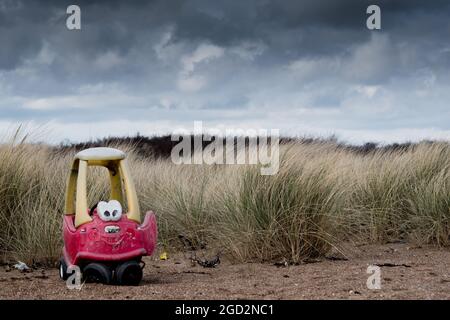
[116, 213]
[109, 211]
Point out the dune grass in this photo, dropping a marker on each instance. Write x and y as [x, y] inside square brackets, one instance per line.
[321, 197]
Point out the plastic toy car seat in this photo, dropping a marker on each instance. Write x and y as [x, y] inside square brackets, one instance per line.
[106, 244]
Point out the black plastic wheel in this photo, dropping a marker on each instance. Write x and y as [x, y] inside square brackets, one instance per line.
[63, 269]
[97, 272]
[129, 273]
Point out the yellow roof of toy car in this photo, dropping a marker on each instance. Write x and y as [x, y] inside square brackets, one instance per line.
[100, 154]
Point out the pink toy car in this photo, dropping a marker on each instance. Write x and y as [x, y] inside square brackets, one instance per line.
[106, 243]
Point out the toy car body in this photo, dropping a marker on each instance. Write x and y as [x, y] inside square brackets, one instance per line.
[106, 244]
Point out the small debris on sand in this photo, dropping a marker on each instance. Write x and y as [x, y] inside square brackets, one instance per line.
[21, 266]
[207, 263]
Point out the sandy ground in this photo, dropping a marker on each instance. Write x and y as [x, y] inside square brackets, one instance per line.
[407, 272]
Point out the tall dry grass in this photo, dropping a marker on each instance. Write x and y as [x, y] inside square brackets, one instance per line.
[321, 196]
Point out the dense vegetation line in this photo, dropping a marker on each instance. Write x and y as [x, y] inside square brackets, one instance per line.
[322, 196]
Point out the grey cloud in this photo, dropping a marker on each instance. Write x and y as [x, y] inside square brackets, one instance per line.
[310, 62]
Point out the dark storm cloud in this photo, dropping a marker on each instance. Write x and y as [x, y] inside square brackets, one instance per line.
[119, 25]
[310, 60]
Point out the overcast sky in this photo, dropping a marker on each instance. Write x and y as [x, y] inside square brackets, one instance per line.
[306, 67]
